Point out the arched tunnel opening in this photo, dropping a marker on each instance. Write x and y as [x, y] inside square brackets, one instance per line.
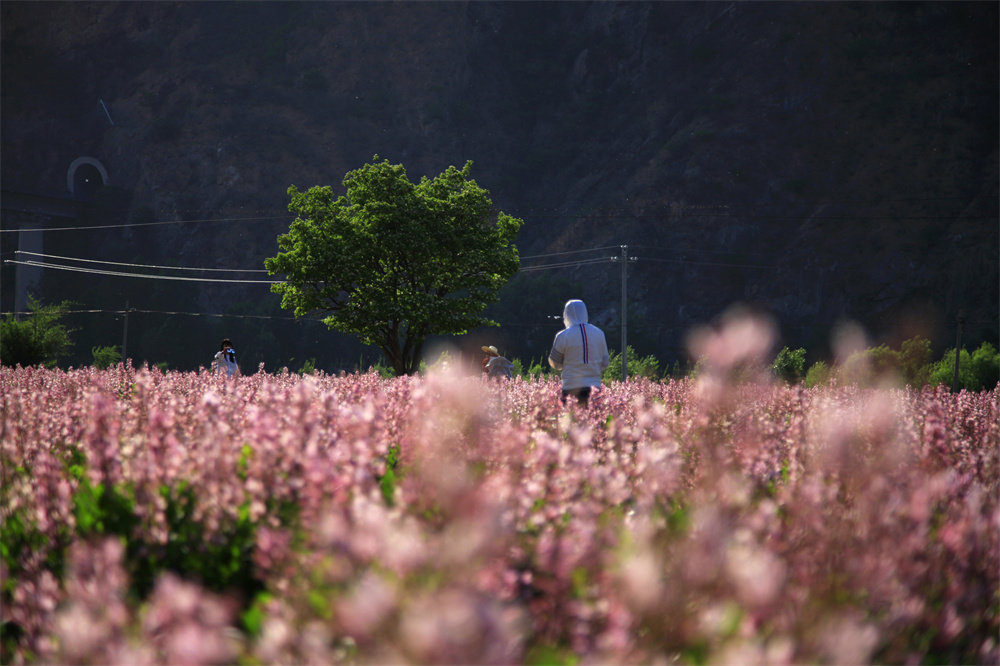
[87, 180]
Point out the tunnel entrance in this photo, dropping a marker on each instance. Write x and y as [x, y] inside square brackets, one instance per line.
[85, 177]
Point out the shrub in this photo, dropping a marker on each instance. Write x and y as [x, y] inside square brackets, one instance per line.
[38, 339]
[539, 368]
[647, 367]
[105, 357]
[870, 367]
[909, 365]
[819, 373]
[986, 366]
[789, 366]
[914, 361]
[976, 372]
[942, 373]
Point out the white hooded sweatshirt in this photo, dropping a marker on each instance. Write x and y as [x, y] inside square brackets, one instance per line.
[579, 350]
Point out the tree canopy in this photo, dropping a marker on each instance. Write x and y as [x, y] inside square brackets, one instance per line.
[37, 340]
[395, 262]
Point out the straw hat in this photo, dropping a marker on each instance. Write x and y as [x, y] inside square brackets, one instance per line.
[491, 350]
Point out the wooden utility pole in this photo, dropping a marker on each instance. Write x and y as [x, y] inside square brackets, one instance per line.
[624, 259]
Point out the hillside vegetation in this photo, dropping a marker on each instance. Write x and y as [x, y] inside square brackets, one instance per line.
[823, 161]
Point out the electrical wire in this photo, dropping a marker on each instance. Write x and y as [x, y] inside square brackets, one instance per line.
[567, 264]
[116, 263]
[167, 312]
[727, 215]
[39, 264]
[703, 263]
[556, 254]
[261, 270]
[720, 210]
[146, 224]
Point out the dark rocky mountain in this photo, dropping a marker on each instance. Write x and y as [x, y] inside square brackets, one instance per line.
[823, 161]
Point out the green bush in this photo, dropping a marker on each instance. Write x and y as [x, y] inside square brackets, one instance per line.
[535, 368]
[942, 373]
[647, 367]
[819, 373]
[37, 340]
[978, 371]
[539, 368]
[870, 366]
[383, 370]
[915, 360]
[789, 366]
[910, 365]
[986, 366]
[105, 357]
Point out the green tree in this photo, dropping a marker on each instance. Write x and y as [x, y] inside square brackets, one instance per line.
[37, 340]
[789, 366]
[395, 262]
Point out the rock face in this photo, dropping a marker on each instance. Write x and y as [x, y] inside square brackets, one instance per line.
[824, 162]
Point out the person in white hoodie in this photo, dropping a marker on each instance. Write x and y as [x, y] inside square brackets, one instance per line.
[580, 352]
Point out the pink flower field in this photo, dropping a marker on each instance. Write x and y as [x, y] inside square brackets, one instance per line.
[185, 518]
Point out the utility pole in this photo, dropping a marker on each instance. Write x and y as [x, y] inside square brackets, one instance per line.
[624, 259]
[125, 334]
[958, 351]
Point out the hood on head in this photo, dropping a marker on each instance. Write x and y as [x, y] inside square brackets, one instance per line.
[574, 312]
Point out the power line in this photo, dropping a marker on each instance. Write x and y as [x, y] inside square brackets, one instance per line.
[261, 270]
[148, 224]
[566, 264]
[39, 264]
[704, 263]
[687, 207]
[167, 312]
[720, 210]
[556, 254]
[730, 215]
[116, 263]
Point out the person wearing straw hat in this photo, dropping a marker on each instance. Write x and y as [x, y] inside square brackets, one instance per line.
[495, 365]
